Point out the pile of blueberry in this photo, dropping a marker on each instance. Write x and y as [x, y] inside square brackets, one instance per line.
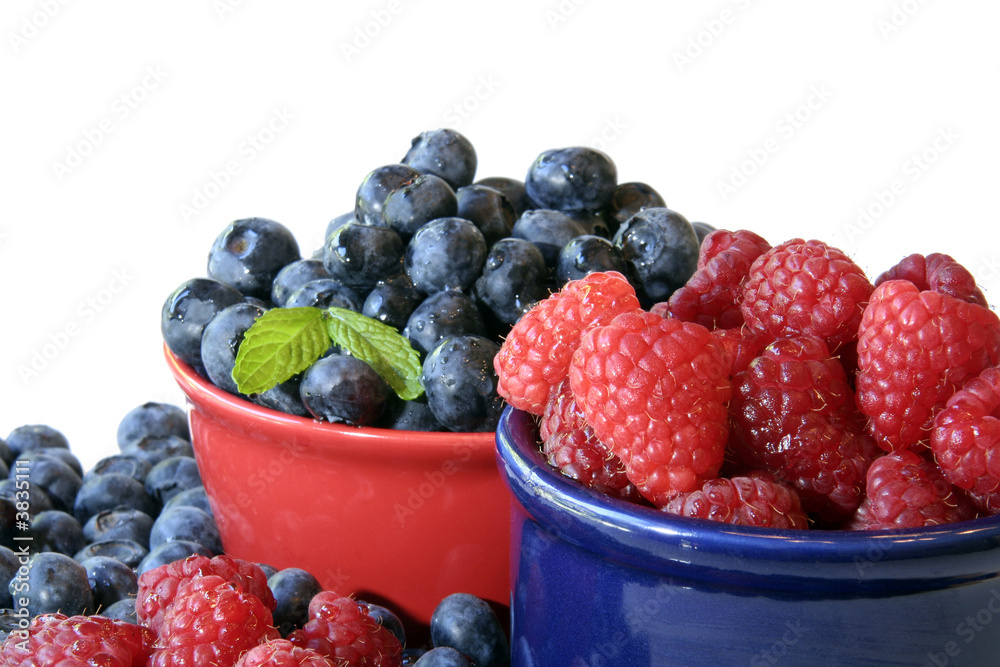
[450, 262]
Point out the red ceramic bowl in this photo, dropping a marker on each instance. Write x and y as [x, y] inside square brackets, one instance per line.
[399, 518]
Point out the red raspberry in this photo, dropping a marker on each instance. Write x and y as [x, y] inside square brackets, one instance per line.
[211, 622]
[805, 287]
[282, 653]
[743, 345]
[937, 272]
[341, 629]
[55, 640]
[570, 445]
[160, 586]
[655, 391]
[711, 296]
[905, 490]
[966, 435]
[536, 353]
[793, 414]
[744, 501]
[915, 350]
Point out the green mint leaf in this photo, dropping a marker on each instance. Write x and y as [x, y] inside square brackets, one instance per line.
[384, 348]
[281, 343]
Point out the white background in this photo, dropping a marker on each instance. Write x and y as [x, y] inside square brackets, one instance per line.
[834, 99]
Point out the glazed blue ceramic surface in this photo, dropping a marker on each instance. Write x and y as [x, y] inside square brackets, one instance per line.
[598, 581]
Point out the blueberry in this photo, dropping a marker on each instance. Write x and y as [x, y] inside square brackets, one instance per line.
[171, 476]
[128, 552]
[9, 526]
[548, 229]
[6, 455]
[123, 610]
[59, 482]
[183, 523]
[386, 618]
[38, 500]
[593, 222]
[119, 523]
[192, 497]
[221, 341]
[9, 564]
[332, 225]
[513, 279]
[413, 205]
[702, 229]
[105, 492]
[324, 293]
[54, 583]
[9, 622]
[57, 531]
[361, 255]
[248, 254]
[284, 397]
[156, 448]
[33, 437]
[487, 209]
[268, 570]
[512, 189]
[168, 552]
[344, 389]
[4, 470]
[445, 253]
[445, 153]
[446, 313]
[461, 385]
[661, 247]
[378, 184]
[123, 464]
[152, 419]
[110, 581]
[443, 656]
[295, 275]
[186, 312]
[467, 624]
[69, 458]
[630, 198]
[588, 254]
[415, 415]
[392, 302]
[571, 179]
[293, 588]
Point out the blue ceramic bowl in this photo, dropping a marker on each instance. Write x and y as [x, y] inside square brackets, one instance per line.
[598, 581]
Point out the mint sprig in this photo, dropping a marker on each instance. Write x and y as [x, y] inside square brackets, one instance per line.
[286, 341]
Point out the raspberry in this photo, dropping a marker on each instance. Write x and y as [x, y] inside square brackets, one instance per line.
[570, 445]
[655, 391]
[966, 436]
[282, 653]
[904, 490]
[536, 353]
[805, 287]
[937, 272]
[212, 621]
[341, 629]
[915, 350]
[77, 641]
[159, 587]
[743, 345]
[744, 501]
[711, 296]
[793, 414]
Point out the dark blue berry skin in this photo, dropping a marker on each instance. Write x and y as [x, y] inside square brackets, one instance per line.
[344, 389]
[268, 570]
[410, 207]
[512, 189]
[374, 189]
[571, 179]
[443, 656]
[57, 531]
[661, 247]
[186, 312]
[487, 209]
[361, 255]
[152, 419]
[283, 397]
[295, 275]
[156, 448]
[123, 610]
[444, 153]
[171, 476]
[124, 464]
[8, 521]
[248, 254]
[59, 482]
[293, 588]
[513, 279]
[445, 253]
[467, 624]
[24, 460]
[6, 455]
[588, 254]
[341, 219]
[461, 385]
[184, 523]
[630, 198]
[126, 551]
[55, 583]
[4, 470]
[168, 552]
[325, 293]
[105, 492]
[38, 500]
[110, 581]
[119, 523]
[9, 565]
[392, 302]
[221, 341]
[386, 618]
[32, 437]
[548, 229]
[193, 497]
[594, 223]
[415, 415]
[702, 229]
[446, 313]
